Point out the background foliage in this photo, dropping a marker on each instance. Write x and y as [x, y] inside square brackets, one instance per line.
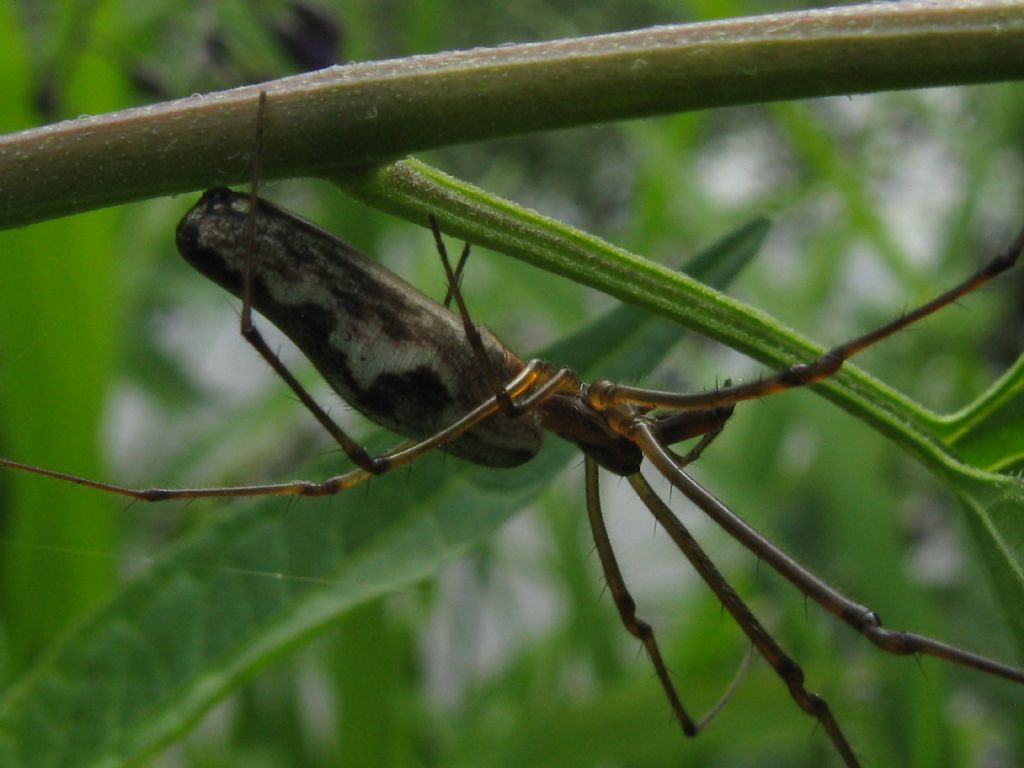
[513, 652]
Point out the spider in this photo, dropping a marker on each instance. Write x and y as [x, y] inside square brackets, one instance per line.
[434, 376]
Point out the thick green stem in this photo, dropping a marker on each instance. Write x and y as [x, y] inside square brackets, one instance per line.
[365, 114]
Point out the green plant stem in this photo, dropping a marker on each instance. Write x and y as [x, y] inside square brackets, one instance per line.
[412, 190]
[365, 114]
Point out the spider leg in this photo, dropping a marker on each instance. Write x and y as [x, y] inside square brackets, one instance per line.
[374, 465]
[603, 394]
[640, 629]
[858, 616]
[459, 269]
[625, 604]
[472, 334]
[785, 667]
[681, 425]
[537, 382]
[355, 452]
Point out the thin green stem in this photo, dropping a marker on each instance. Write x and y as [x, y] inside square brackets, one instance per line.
[413, 190]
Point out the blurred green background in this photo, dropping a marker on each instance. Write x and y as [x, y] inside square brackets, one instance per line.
[117, 362]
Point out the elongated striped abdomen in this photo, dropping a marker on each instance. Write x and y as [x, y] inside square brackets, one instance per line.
[395, 355]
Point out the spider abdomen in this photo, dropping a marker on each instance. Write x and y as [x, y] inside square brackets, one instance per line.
[397, 356]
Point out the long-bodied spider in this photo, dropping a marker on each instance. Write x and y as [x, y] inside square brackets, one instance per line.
[434, 376]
